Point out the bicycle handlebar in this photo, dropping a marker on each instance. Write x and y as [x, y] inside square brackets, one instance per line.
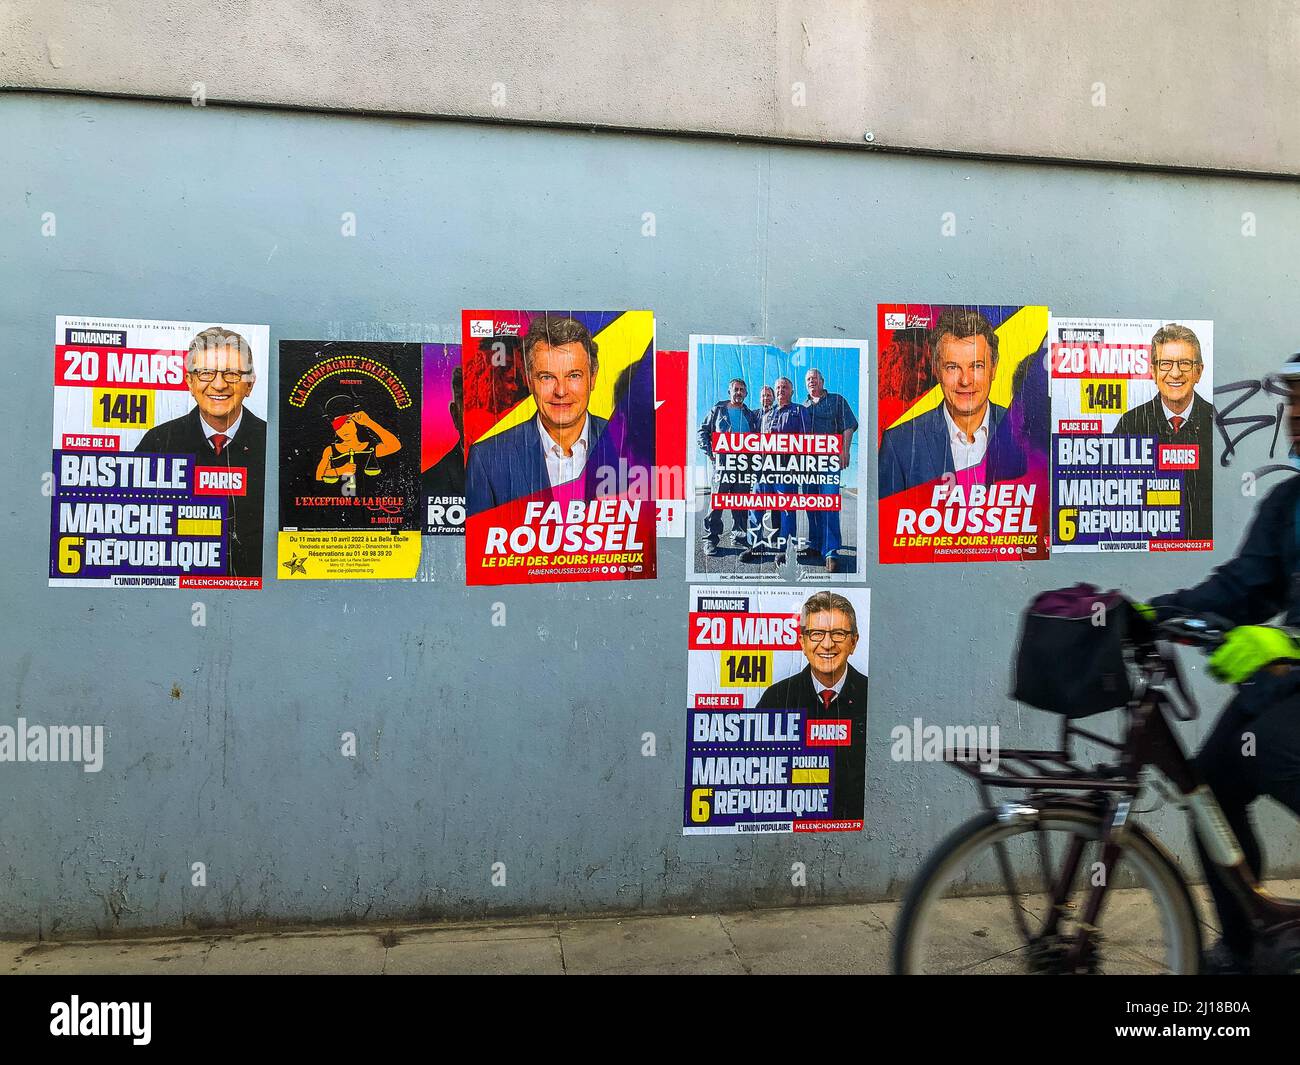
[1206, 631]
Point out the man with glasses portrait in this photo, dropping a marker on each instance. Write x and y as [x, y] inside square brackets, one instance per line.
[218, 431]
[1178, 415]
[829, 688]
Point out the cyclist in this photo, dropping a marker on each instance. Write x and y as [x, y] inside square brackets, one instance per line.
[1254, 748]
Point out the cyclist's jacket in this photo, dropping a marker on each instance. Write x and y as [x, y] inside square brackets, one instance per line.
[1263, 580]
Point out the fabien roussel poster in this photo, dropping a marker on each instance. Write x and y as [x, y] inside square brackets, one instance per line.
[350, 488]
[964, 425]
[559, 417]
[159, 453]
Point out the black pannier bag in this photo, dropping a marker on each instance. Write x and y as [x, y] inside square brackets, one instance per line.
[1070, 659]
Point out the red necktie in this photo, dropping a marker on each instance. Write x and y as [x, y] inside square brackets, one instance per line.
[219, 441]
[827, 695]
[1177, 422]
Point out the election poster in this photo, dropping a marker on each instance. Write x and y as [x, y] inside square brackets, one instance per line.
[442, 442]
[560, 422]
[964, 427]
[776, 719]
[350, 489]
[159, 465]
[777, 490]
[671, 377]
[1132, 434]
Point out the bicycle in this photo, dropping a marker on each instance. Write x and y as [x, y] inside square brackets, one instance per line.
[1055, 914]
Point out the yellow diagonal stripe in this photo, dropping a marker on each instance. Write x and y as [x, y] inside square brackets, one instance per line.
[810, 776]
[623, 342]
[1019, 336]
[198, 526]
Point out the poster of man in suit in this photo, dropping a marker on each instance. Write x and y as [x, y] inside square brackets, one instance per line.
[1133, 434]
[159, 453]
[776, 720]
[963, 433]
[560, 429]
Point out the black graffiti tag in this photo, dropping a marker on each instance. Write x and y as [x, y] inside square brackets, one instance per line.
[1248, 423]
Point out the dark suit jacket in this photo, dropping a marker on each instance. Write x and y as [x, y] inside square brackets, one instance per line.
[184, 436]
[850, 777]
[1198, 484]
[918, 451]
[511, 465]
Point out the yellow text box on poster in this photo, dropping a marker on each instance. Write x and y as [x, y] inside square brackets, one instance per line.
[810, 776]
[745, 669]
[347, 556]
[120, 408]
[1164, 499]
[198, 526]
[1103, 396]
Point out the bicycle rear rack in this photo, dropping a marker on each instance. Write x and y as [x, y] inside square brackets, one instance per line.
[1039, 769]
[1048, 769]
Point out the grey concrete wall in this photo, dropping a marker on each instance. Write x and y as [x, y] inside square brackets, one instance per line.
[519, 745]
[1176, 82]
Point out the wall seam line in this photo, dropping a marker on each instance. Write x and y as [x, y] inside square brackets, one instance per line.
[875, 148]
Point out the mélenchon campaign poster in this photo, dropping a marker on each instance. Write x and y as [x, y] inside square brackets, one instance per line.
[350, 491]
[442, 442]
[1133, 434]
[560, 420]
[964, 426]
[776, 720]
[159, 453]
[770, 436]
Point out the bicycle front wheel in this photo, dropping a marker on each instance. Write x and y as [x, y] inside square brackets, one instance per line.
[1008, 895]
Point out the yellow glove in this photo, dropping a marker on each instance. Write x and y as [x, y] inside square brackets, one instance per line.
[1249, 648]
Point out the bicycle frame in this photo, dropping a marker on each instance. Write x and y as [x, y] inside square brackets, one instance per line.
[1149, 740]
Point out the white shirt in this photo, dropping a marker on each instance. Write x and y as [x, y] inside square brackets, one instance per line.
[965, 453]
[838, 687]
[562, 468]
[1170, 415]
[209, 432]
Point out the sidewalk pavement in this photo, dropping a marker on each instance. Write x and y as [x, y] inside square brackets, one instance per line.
[806, 939]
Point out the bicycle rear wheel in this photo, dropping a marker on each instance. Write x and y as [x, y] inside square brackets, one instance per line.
[984, 901]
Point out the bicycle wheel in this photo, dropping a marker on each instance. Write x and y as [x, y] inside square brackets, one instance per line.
[983, 902]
